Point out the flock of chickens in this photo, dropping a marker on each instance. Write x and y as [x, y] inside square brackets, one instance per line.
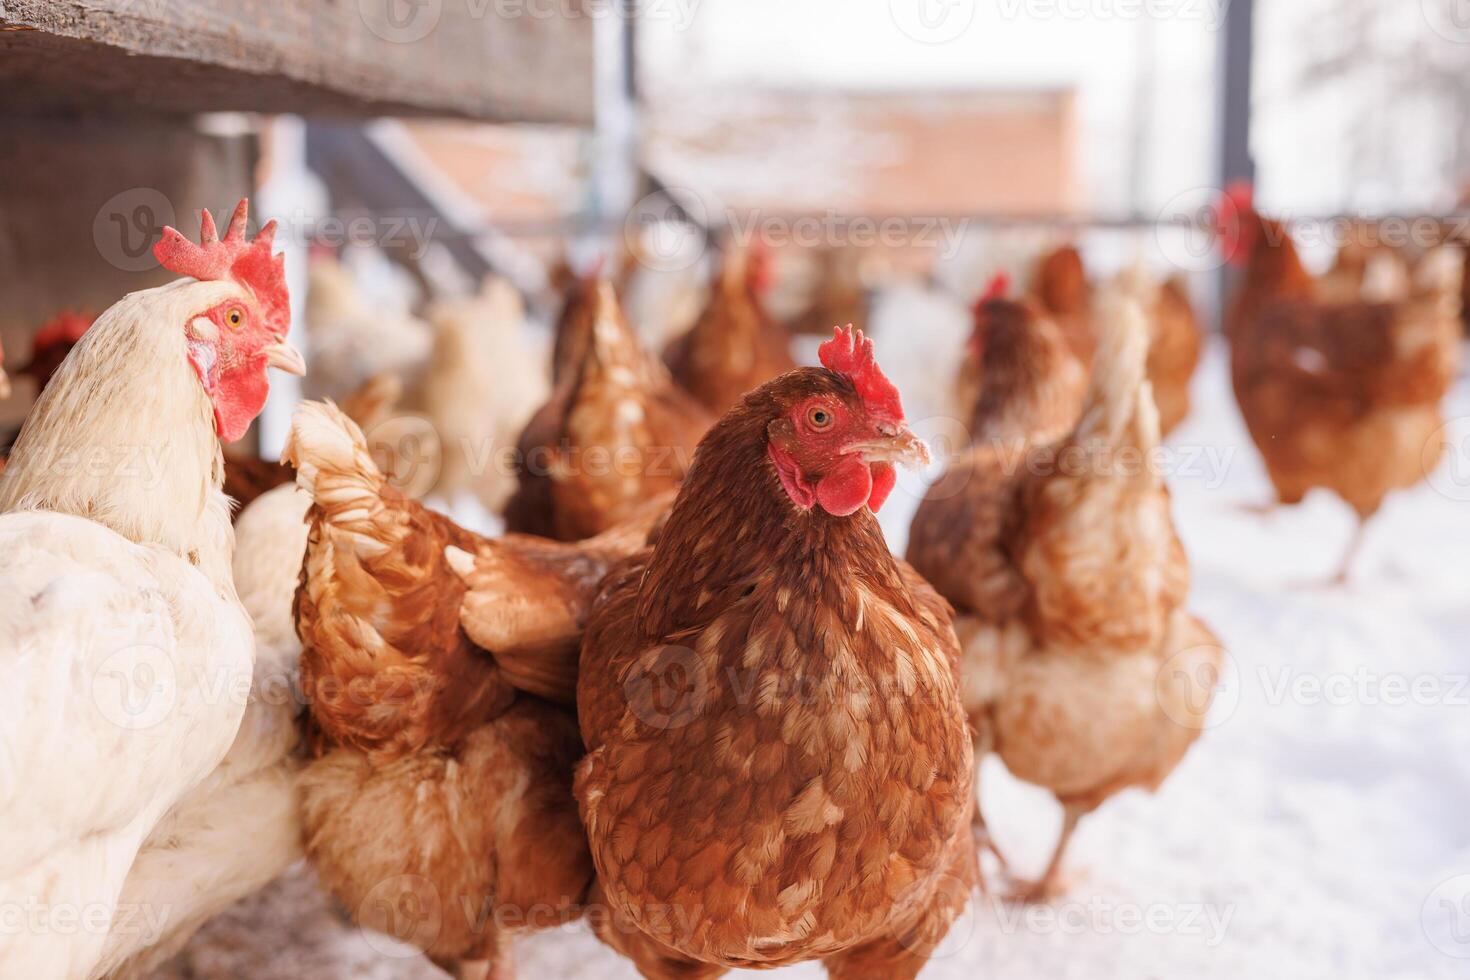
[690, 696]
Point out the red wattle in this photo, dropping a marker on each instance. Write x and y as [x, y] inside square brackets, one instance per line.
[884, 478]
[239, 397]
[846, 489]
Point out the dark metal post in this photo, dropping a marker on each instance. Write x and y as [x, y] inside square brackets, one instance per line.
[1236, 163]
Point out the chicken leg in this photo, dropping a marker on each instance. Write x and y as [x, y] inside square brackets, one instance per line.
[1355, 545]
[1049, 885]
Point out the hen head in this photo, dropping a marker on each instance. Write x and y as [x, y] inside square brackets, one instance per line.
[1061, 281]
[839, 430]
[233, 342]
[1236, 222]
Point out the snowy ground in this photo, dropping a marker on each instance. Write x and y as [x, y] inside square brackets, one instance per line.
[1316, 830]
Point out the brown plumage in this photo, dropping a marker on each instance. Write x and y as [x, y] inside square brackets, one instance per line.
[1019, 378]
[779, 767]
[1060, 288]
[573, 334]
[734, 346]
[839, 296]
[616, 432]
[1341, 393]
[1081, 668]
[1174, 352]
[439, 670]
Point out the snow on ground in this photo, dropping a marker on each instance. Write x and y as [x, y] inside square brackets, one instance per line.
[1310, 833]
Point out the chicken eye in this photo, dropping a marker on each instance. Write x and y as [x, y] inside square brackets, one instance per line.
[234, 318]
[819, 417]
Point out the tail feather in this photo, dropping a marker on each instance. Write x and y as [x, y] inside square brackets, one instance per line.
[1118, 392]
[334, 466]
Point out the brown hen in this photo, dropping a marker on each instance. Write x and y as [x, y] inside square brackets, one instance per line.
[734, 346]
[779, 767]
[1081, 668]
[840, 295]
[1340, 393]
[616, 432]
[439, 668]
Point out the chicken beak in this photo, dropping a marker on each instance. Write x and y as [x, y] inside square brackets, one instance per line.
[284, 357]
[901, 447]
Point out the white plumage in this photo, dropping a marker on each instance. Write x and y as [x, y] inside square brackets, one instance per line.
[126, 655]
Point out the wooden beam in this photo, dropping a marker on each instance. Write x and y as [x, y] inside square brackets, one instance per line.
[477, 59]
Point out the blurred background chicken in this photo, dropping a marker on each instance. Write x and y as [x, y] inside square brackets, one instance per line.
[1070, 582]
[1338, 391]
[439, 668]
[482, 384]
[1060, 287]
[351, 339]
[734, 346]
[615, 432]
[838, 294]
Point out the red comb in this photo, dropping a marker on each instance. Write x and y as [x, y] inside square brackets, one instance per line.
[760, 270]
[1242, 194]
[66, 327]
[850, 354]
[233, 258]
[999, 286]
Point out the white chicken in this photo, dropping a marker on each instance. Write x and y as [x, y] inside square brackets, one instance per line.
[482, 385]
[127, 654]
[350, 341]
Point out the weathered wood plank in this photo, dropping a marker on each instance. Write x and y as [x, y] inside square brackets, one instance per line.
[480, 59]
